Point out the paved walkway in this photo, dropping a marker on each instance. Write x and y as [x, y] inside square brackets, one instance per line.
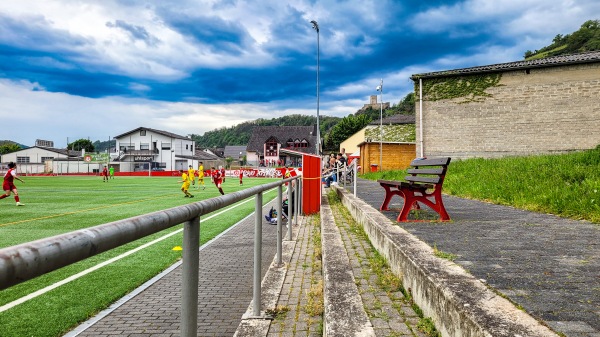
[225, 290]
[548, 265]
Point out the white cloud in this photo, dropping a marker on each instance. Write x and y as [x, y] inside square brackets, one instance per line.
[33, 113]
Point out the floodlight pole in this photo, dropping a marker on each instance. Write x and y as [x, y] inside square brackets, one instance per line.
[316, 27]
[380, 89]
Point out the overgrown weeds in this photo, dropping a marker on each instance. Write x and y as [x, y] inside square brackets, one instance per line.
[567, 185]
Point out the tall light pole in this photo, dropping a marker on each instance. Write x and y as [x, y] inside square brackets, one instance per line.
[316, 27]
[380, 89]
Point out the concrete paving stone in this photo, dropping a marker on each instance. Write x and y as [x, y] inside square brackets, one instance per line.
[516, 249]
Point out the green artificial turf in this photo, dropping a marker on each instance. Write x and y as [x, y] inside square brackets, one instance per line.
[56, 205]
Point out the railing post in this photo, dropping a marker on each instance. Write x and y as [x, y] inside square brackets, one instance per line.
[296, 201]
[301, 184]
[290, 209]
[279, 215]
[355, 175]
[257, 254]
[189, 284]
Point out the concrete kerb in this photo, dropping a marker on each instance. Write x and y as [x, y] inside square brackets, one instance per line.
[271, 286]
[458, 303]
[344, 310]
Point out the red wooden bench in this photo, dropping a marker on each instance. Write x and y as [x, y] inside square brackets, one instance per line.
[423, 184]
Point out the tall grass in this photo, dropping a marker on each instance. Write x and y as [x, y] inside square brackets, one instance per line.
[567, 185]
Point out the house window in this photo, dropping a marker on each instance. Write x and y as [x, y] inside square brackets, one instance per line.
[142, 132]
[297, 142]
[290, 143]
[186, 147]
[304, 143]
[22, 159]
[165, 146]
[46, 158]
[144, 146]
[271, 148]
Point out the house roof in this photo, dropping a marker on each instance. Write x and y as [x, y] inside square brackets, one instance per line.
[588, 57]
[234, 151]
[160, 132]
[70, 153]
[202, 155]
[260, 134]
[395, 120]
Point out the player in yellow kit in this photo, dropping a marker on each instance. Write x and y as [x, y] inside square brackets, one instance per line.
[185, 179]
[192, 174]
[201, 175]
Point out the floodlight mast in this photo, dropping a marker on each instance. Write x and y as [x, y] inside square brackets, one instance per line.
[315, 26]
[380, 89]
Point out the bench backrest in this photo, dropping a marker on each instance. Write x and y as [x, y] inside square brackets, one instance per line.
[429, 171]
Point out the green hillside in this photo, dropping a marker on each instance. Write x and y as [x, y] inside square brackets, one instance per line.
[587, 38]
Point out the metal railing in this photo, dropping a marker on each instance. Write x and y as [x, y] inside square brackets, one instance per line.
[32, 259]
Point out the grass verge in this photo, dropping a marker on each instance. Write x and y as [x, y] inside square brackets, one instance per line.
[567, 185]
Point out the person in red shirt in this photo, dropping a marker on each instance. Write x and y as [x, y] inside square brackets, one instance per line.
[8, 184]
[223, 173]
[105, 174]
[217, 179]
[241, 176]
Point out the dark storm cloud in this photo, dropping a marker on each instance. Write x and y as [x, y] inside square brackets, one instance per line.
[135, 32]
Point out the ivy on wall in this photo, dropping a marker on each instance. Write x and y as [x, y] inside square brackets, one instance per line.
[470, 87]
[402, 133]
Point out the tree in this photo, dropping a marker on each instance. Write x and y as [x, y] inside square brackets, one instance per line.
[407, 104]
[8, 148]
[344, 129]
[80, 144]
[228, 160]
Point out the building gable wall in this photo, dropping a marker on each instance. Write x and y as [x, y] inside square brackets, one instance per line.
[542, 110]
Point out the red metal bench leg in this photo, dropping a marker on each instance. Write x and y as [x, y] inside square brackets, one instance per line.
[388, 197]
[409, 200]
[440, 209]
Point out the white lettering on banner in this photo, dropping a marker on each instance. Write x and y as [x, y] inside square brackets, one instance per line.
[254, 173]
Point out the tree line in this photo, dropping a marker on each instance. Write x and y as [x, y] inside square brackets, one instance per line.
[586, 38]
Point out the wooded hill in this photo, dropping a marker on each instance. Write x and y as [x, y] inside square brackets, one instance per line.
[586, 38]
[333, 129]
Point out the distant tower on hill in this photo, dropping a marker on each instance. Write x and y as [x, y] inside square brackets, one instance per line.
[374, 104]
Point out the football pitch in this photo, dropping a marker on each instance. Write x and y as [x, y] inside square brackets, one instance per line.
[54, 303]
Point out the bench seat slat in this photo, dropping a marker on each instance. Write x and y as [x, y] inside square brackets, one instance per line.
[431, 162]
[425, 171]
[419, 179]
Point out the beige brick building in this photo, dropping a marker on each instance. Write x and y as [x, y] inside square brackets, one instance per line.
[549, 105]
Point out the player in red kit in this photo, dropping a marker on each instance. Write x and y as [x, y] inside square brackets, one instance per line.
[105, 174]
[241, 176]
[217, 179]
[8, 184]
[223, 173]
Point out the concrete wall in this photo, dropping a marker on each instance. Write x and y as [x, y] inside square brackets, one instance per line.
[459, 304]
[547, 110]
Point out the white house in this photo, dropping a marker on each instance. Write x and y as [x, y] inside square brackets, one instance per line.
[144, 148]
[39, 159]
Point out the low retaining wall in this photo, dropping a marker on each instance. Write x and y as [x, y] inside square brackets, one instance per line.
[459, 304]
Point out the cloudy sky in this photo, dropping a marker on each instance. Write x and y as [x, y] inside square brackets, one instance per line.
[72, 69]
